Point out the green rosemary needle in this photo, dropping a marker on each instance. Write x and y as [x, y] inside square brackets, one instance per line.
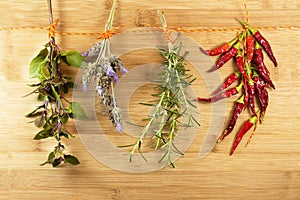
[172, 105]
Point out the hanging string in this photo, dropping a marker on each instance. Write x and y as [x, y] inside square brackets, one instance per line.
[154, 29]
[246, 12]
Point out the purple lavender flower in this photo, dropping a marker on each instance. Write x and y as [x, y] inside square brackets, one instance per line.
[112, 73]
[84, 54]
[59, 126]
[123, 69]
[85, 87]
[99, 90]
[119, 127]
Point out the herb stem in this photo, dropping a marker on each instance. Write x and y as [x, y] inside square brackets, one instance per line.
[111, 16]
[50, 11]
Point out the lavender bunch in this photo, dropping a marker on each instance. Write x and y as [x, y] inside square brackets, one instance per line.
[103, 66]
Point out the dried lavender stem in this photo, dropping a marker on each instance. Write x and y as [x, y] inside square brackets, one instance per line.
[111, 16]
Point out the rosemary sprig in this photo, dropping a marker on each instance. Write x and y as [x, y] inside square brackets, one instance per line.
[172, 105]
[53, 114]
[103, 66]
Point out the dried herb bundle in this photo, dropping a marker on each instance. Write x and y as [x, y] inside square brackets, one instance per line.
[172, 108]
[103, 66]
[53, 114]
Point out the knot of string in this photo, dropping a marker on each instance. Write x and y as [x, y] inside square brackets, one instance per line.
[51, 29]
[106, 34]
[167, 35]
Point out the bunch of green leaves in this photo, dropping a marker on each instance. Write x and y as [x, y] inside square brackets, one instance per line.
[54, 112]
[172, 109]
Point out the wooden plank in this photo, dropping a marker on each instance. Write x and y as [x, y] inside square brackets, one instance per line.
[269, 168]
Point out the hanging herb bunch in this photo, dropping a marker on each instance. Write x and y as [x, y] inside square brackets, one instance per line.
[172, 109]
[53, 114]
[104, 67]
[252, 76]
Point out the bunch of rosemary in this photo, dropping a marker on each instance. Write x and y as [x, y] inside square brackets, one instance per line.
[172, 108]
[53, 114]
[103, 66]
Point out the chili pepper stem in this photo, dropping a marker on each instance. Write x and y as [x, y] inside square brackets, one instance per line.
[222, 136]
[261, 118]
[252, 30]
[242, 22]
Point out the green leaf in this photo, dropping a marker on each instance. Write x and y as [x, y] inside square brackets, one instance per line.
[40, 60]
[77, 111]
[41, 97]
[43, 134]
[34, 85]
[73, 58]
[56, 95]
[39, 121]
[45, 72]
[68, 77]
[35, 112]
[63, 134]
[51, 156]
[71, 159]
[56, 162]
[64, 118]
[65, 87]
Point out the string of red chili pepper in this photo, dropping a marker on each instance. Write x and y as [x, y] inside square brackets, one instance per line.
[253, 77]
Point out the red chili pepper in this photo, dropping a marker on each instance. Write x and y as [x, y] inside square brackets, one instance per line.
[225, 94]
[250, 41]
[258, 60]
[246, 127]
[266, 46]
[239, 105]
[246, 94]
[220, 49]
[258, 36]
[228, 81]
[251, 89]
[239, 60]
[262, 94]
[224, 58]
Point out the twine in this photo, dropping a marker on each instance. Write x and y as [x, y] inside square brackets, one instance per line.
[154, 29]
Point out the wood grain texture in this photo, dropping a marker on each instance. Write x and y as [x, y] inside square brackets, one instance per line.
[269, 168]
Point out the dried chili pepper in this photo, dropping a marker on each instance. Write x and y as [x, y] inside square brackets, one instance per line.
[225, 58]
[239, 60]
[258, 60]
[239, 105]
[266, 45]
[251, 96]
[250, 44]
[228, 81]
[262, 94]
[246, 93]
[220, 49]
[246, 127]
[225, 94]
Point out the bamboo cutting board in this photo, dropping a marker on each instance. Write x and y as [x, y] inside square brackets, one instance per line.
[269, 168]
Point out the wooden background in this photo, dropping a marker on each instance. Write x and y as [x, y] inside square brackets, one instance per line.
[269, 168]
